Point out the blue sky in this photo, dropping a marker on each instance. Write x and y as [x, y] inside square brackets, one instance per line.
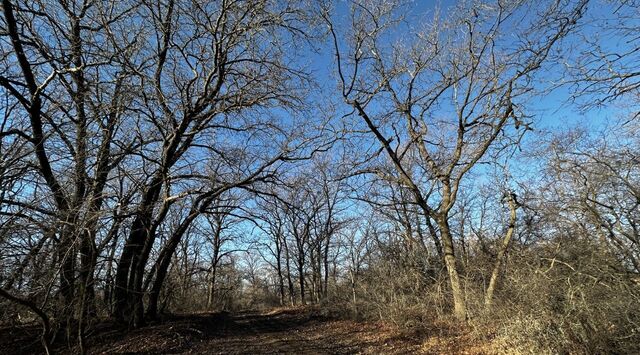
[553, 111]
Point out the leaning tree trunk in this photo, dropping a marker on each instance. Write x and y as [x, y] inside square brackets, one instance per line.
[128, 299]
[488, 300]
[164, 260]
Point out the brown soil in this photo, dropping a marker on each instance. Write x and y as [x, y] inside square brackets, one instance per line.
[284, 331]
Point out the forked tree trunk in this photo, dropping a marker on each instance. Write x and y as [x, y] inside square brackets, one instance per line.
[163, 263]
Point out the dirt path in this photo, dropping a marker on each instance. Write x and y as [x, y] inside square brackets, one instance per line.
[252, 332]
[283, 331]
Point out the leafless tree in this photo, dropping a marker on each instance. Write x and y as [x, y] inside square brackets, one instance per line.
[602, 68]
[596, 187]
[271, 221]
[447, 97]
[127, 110]
[67, 94]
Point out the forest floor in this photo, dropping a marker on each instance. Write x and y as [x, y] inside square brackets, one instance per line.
[282, 331]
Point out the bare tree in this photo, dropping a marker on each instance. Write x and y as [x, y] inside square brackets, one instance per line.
[603, 68]
[126, 109]
[218, 98]
[220, 220]
[271, 221]
[445, 98]
[68, 96]
[596, 187]
[358, 242]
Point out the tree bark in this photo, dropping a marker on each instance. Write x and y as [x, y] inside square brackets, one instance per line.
[301, 280]
[292, 298]
[459, 309]
[279, 270]
[504, 246]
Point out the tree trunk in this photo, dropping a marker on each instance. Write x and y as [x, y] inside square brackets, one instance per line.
[353, 293]
[488, 300]
[128, 298]
[212, 287]
[301, 276]
[459, 309]
[292, 297]
[325, 286]
[67, 256]
[88, 260]
[164, 260]
[279, 271]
